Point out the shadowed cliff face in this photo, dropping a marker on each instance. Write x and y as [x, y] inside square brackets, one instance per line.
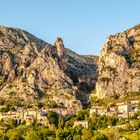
[119, 65]
[33, 71]
[83, 72]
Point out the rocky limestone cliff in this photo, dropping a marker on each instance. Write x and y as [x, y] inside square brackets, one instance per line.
[33, 72]
[83, 71]
[119, 65]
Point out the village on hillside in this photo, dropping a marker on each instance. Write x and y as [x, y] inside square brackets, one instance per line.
[120, 110]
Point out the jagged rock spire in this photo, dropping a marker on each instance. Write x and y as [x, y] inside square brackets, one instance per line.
[59, 47]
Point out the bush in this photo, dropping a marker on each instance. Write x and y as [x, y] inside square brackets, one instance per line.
[32, 135]
[4, 137]
[100, 137]
[86, 134]
[112, 134]
[121, 121]
[83, 115]
[52, 117]
[63, 134]
[5, 109]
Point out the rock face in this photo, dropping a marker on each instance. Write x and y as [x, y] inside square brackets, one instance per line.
[84, 72]
[119, 65]
[34, 72]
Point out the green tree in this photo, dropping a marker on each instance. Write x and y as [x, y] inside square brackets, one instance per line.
[32, 135]
[139, 105]
[60, 122]
[78, 130]
[128, 127]
[63, 134]
[100, 137]
[77, 137]
[111, 121]
[136, 124]
[16, 133]
[86, 134]
[52, 117]
[121, 121]
[3, 137]
[83, 114]
[69, 121]
[112, 134]
[5, 109]
[50, 133]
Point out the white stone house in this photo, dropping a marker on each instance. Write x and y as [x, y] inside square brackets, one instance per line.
[123, 108]
[98, 110]
[135, 102]
[83, 123]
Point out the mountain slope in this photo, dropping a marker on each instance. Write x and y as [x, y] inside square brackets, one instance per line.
[119, 65]
[34, 73]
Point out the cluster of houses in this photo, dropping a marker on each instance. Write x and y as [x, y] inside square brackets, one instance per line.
[31, 115]
[119, 110]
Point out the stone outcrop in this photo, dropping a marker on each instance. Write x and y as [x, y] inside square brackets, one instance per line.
[34, 72]
[119, 65]
[61, 52]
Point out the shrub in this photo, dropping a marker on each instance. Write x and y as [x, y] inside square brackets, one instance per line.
[83, 115]
[100, 137]
[52, 117]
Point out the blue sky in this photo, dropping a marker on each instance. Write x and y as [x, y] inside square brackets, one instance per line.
[83, 24]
